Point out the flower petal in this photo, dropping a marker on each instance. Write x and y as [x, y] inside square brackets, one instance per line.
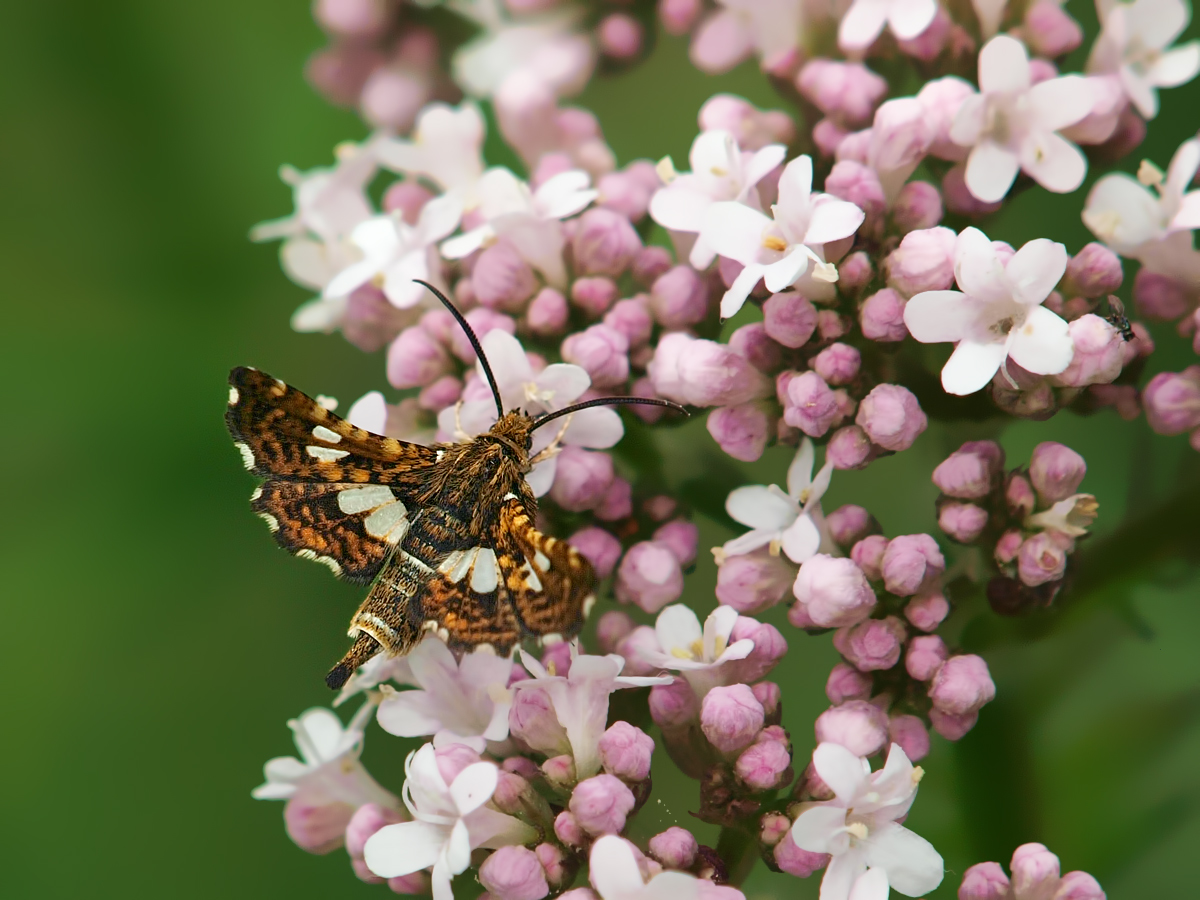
[1058, 102]
[801, 540]
[799, 474]
[735, 231]
[1053, 162]
[679, 206]
[821, 828]
[439, 217]
[467, 243]
[613, 868]
[762, 162]
[871, 885]
[913, 867]
[474, 786]
[565, 194]
[991, 170]
[832, 220]
[564, 382]
[598, 428]
[1003, 66]
[1043, 343]
[404, 848]
[734, 298]
[1035, 269]
[862, 23]
[1183, 166]
[977, 268]
[678, 628]
[719, 624]
[909, 18]
[795, 186]
[1155, 23]
[749, 542]
[844, 772]
[783, 273]
[1121, 212]
[759, 507]
[935, 316]
[1176, 66]
[971, 366]
[542, 476]
[410, 713]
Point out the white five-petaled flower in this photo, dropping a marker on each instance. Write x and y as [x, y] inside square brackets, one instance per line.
[529, 220]
[779, 249]
[449, 821]
[615, 874]
[446, 147]
[1135, 44]
[790, 521]
[395, 253]
[721, 171]
[1149, 218]
[858, 828]
[998, 312]
[769, 28]
[865, 19]
[580, 700]
[458, 702]
[1012, 124]
[1070, 516]
[556, 386]
[697, 653]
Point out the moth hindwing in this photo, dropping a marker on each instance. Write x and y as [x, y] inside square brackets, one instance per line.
[444, 534]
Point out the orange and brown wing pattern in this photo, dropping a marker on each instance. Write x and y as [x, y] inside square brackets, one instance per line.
[465, 619]
[550, 584]
[283, 432]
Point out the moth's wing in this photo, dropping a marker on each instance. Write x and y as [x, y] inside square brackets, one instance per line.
[349, 527]
[284, 433]
[550, 585]
[465, 601]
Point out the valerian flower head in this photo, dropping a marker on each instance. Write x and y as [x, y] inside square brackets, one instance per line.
[697, 653]
[997, 313]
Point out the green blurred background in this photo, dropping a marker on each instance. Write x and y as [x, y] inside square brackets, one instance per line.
[154, 641]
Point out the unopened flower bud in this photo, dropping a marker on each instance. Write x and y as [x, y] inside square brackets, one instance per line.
[681, 537]
[675, 848]
[442, 393]
[1094, 271]
[483, 321]
[1041, 559]
[1172, 401]
[632, 319]
[833, 591]
[637, 647]
[453, 758]
[1009, 546]
[730, 717]
[514, 873]
[568, 830]
[910, 733]
[1018, 494]
[650, 263]
[581, 478]
[679, 298]
[882, 316]
[891, 417]
[753, 582]
[619, 36]
[625, 193]
[1050, 31]
[924, 261]
[918, 206]
[1160, 296]
[770, 696]
[1079, 886]
[796, 860]
[625, 752]
[560, 770]
[1056, 471]
[713, 374]
[911, 563]
[532, 719]
[763, 765]
[927, 611]
[838, 363]
[925, 654]
[769, 648]
[847, 683]
[605, 243]
[970, 471]
[602, 352]
[811, 405]
[547, 313]
[872, 645]
[597, 546]
[741, 431]
[415, 359]
[962, 685]
[753, 342]
[849, 448]
[502, 279]
[962, 522]
[673, 704]
[407, 198]
[984, 881]
[847, 92]
[367, 819]
[959, 199]
[855, 272]
[857, 725]
[950, 726]
[1099, 353]
[850, 523]
[1034, 870]
[858, 184]
[649, 576]
[593, 295]
[789, 319]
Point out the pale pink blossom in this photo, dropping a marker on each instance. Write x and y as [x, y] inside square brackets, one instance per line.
[616, 874]
[770, 29]
[446, 147]
[696, 653]
[865, 19]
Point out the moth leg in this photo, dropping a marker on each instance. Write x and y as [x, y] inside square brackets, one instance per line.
[554, 447]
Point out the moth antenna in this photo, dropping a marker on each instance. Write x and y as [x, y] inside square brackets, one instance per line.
[483, 361]
[608, 401]
[363, 649]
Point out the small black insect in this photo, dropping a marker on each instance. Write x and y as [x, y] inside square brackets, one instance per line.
[1116, 318]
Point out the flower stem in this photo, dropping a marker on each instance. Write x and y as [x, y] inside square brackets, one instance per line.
[738, 849]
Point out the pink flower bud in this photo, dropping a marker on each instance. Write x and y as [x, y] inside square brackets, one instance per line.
[769, 648]
[962, 685]
[1095, 270]
[858, 184]
[1099, 353]
[532, 719]
[984, 881]
[568, 830]
[514, 873]
[675, 848]
[650, 263]
[679, 298]
[483, 321]
[763, 765]
[959, 199]
[415, 359]
[910, 733]
[731, 717]
[753, 128]
[560, 771]
[811, 406]
[599, 547]
[950, 726]
[442, 393]
[927, 611]
[602, 352]
[501, 278]
[681, 537]
[612, 628]
[925, 655]
[1172, 401]
[790, 319]
[753, 582]
[1009, 546]
[1034, 870]
[625, 752]
[828, 136]
[619, 36]
[351, 18]
[770, 696]
[637, 647]
[924, 261]
[1050, 31]
[672, 705]
[453, 758]
[547, 313]
[832, 325]
[847, 683]
[962, 522]
[882, 316]
[833, 591]
[970, 471]
[1079, 886]
[753, 342]
[849, 448]
[847, 92]
[741, 431]
[867, 554]
[918, 206]
[911, 563]
[854, 273]
[795, 860]
[625, 193]
[617, 503]
[1160, 296]
[872, 645]
[557, 658]
[392, 96]
[407, 198]
[1041, 559]
[512, 791]
[837, 363]
[367, 819]
[857, 725]
[649, 576]
[1019, 496]
[712, 374]
[581, 478]
[850, 523]
[605, 243]
[773, 828]
[891, 417]
[632, 319]
[1056, 471]
[901, 134]
[593, 295]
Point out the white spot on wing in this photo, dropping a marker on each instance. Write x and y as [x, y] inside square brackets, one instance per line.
[440, 454]
[325, 454]
[509, 496]
[323, 560]
[458, 563]
[384, 519]
[484, 649]
[531, 577]
[233, 396]
[362, 499]
[588, 602]
[484, 576]
[321, 433]
[541, 560]
[247, 454]
[257, 493]
[272, 522]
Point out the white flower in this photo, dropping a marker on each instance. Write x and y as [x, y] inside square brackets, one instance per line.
[528, 220]
[458, 703]
[449, 821]
[395, 252]
[769, 28]
[1012, 124]
[404, 421]
[381, 667]
[779, 249]
[865, 19]
[580, 700]
[614, 872]
[998, 314]
[1149, 218]
[858, 828]
[789, 521]
[1133, 44]
[555, 387]
[1070, 516]
[697, 653]
[720, 171]
[446, 147]
[328, 771]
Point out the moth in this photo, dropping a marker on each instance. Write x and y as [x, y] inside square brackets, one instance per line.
[443, 534]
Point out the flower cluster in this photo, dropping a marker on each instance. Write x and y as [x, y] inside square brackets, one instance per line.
[794, 286]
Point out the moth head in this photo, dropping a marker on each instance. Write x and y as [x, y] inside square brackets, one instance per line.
[512, 433]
